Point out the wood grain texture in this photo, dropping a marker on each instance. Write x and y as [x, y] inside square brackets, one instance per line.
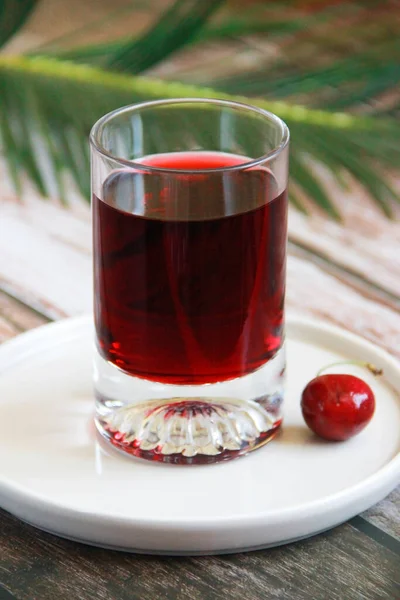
[313, 291]
[342, 563]
[7, 330]
[45, 252]
[16, 317]
[366, 242]
[386, 515]
[45, 262]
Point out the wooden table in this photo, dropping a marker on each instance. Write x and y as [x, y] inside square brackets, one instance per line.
[348, 274]
[334, 272]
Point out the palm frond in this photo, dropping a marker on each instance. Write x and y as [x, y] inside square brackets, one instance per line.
[61, 101]
[12, 16]
[50, 102]
[334, 58]
[260, 18]
[228, 27]
[308, 182]
[171, 31]
[184, 18]
[343, 84]
[272, 18]
[329, 54]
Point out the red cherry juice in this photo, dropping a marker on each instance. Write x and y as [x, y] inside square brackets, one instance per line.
[189, 268]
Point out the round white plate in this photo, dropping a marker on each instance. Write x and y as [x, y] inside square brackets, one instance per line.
[58, 475]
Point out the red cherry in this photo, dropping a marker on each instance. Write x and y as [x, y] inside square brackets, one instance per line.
[337, 406]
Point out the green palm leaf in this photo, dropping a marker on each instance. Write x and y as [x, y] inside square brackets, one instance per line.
[66, 99]
[50, 103]
[227, 28]
[13, 14]
[176, 27]
[186, 17]
[343, 84]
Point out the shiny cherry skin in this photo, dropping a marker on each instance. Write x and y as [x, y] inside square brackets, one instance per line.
[337, 406]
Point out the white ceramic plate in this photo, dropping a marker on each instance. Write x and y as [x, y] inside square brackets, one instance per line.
[58, 475]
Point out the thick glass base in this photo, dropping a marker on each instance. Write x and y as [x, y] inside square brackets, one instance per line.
[189, 424]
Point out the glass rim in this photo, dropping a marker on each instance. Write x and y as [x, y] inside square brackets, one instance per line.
[98, 127]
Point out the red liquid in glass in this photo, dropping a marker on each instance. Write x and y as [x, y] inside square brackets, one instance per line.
[191, 289]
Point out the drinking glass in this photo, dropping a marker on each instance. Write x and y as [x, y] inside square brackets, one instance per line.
[189, 234]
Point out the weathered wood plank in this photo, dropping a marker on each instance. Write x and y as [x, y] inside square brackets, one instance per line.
[5, 594]
[7, 330]
[45, 250]
[17, 316]
[366, 242]
[386, 514]
[343, 563]
[319, 294]
[366, 288]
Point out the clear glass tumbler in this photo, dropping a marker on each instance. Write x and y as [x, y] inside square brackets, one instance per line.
[190, 228]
